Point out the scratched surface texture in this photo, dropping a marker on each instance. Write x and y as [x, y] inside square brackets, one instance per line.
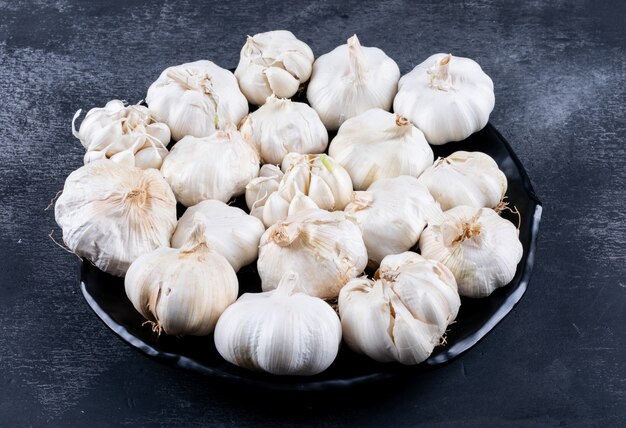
[560, 77]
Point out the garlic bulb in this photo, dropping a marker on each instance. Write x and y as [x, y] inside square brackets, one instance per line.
[275, 62]
[182, 291]
[350, 80]
[196, 99]
[377, 144]
[281, 126]
[111, 214]
[402, 315]
[325, 248]
[282, 331]
[124, 134]
[319, 177]
[392, 214]
[259, 189]
[465, 178]
[230, 231]
[480, 248]
[215, 167]
[447, 97]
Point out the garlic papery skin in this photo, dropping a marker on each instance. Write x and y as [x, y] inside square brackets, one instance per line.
[392, 214]
[182, 291]
[325, 248]
[377, 144]
[350, 80]
[281, 126]
[229, 230]
[480, 248]
[215, 167]
[259, 189]
[447, 97]
[319, 177]
[465, 178]
[196, 99]
[111, 214]
[275, 62]
[282, 332]
[124, 134]
[403, 314]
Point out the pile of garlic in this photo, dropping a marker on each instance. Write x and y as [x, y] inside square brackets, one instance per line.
[316, 220]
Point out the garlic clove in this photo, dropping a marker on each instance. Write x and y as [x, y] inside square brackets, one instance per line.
[281, 82]
[276, 208]
[159, 132]
[150, 157]
[259, 189]
[93, 155]
[300, 203]
[125, 157]
[283, 331]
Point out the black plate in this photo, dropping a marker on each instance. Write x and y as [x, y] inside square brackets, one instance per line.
[105, 294]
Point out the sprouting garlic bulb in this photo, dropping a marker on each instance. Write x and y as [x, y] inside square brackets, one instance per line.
[325, 248]
[196, 99]
[319, 177]
[392, 214]
[230, 231]
[480, 248]
[281, 126]
[447, 97]
[350, 80]
[215, 167]
[111, 214]
[402, 315]
[182, 291]
[377, 144]
[124, 134]
[275, 62]
[465, 178]
[259, 189]
[283, 332]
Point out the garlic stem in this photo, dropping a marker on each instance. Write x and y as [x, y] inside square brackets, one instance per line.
[287, 284]
[357, 68]
[439, 76]
[197, 239]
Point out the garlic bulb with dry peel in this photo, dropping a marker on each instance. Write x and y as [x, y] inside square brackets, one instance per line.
[480, 248]
[392, 214]
[447, 97]
[215, 167]
[350, 80]
[275, 62]
[317, 176]
[259, 189]
[465, 178]
[196, 99]
[377, 144]
[282, 331]
[182, 291]
[325, 248]
[124, 134]
[281, 126]
[403, 314]
[111, 214]
[229, 230]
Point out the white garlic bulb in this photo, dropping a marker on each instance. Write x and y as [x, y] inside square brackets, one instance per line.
[325, 248]
[182, 291]
[229, 230]
[465, 178]
[447, 97]
[282, 331]
[196, 99]
[124, 134]
[319, 177]
[259, 189]
[350, 80]
[111, 214]
[275, 62]
[215, 167]
[402, 315]
[392, 214]
[480, 248]
[281, 126]
[377, 144]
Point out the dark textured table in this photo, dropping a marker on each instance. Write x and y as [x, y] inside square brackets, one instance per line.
[560, 79]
